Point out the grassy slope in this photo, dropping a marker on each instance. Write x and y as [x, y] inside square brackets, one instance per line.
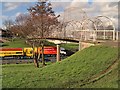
[17, 43]
[21, 43]
[47, 43]
[70, 46]
[68, 73]
[109, 81]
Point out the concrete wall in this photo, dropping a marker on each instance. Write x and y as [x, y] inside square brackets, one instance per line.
[84, 45]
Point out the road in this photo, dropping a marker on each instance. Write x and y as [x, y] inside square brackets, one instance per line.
[10, 60]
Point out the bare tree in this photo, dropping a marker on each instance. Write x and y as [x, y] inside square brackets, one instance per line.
[43, 18]
[38, 24]
[22, 26]
[8, 23]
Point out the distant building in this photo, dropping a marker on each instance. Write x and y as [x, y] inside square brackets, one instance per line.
[5, 33]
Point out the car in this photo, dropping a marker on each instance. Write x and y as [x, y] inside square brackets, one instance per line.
[62, 51]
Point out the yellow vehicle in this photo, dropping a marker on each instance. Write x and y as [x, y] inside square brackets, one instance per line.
[14, 52]
[28, 52]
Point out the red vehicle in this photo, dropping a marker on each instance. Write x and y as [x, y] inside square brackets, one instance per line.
[50, 50]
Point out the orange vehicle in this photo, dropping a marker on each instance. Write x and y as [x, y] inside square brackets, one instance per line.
[50, 50]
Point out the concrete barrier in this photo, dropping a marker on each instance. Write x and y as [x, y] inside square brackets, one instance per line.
[83, 45]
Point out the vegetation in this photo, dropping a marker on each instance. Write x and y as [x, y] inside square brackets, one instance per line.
[16, 43]
[47, 43]
[40, 22]
[70, 72]
[109, 81]
[44, 20]
[70, 46]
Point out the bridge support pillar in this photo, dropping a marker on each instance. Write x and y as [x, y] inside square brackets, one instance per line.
[58, 52]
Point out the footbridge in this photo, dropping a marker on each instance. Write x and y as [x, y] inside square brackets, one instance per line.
[82, 44]
[55, 38]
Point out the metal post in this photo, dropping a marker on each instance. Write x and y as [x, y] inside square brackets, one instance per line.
[113, 34]
[94, 36]
[116, 35]
[104, 35]
[58, 52]
[85, 36]
[79, 45]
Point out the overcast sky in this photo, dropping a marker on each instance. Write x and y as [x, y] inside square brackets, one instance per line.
[12, 8]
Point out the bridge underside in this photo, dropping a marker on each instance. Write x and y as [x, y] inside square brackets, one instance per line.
[62, 39]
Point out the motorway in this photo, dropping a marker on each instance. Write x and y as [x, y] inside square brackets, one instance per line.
[10, 60]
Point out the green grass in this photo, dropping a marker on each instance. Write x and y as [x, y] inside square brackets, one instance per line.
[67, 73]
[21, 43]
[47, 43]
[16, 43]
[70, 46]
[109, 81]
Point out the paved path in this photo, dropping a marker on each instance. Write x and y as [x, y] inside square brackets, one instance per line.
[110, 43]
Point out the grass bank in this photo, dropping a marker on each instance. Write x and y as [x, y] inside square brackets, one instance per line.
[16, 43]
[70, 46]
[69, 73]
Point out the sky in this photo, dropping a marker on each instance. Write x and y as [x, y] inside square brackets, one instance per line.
[10, 9]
